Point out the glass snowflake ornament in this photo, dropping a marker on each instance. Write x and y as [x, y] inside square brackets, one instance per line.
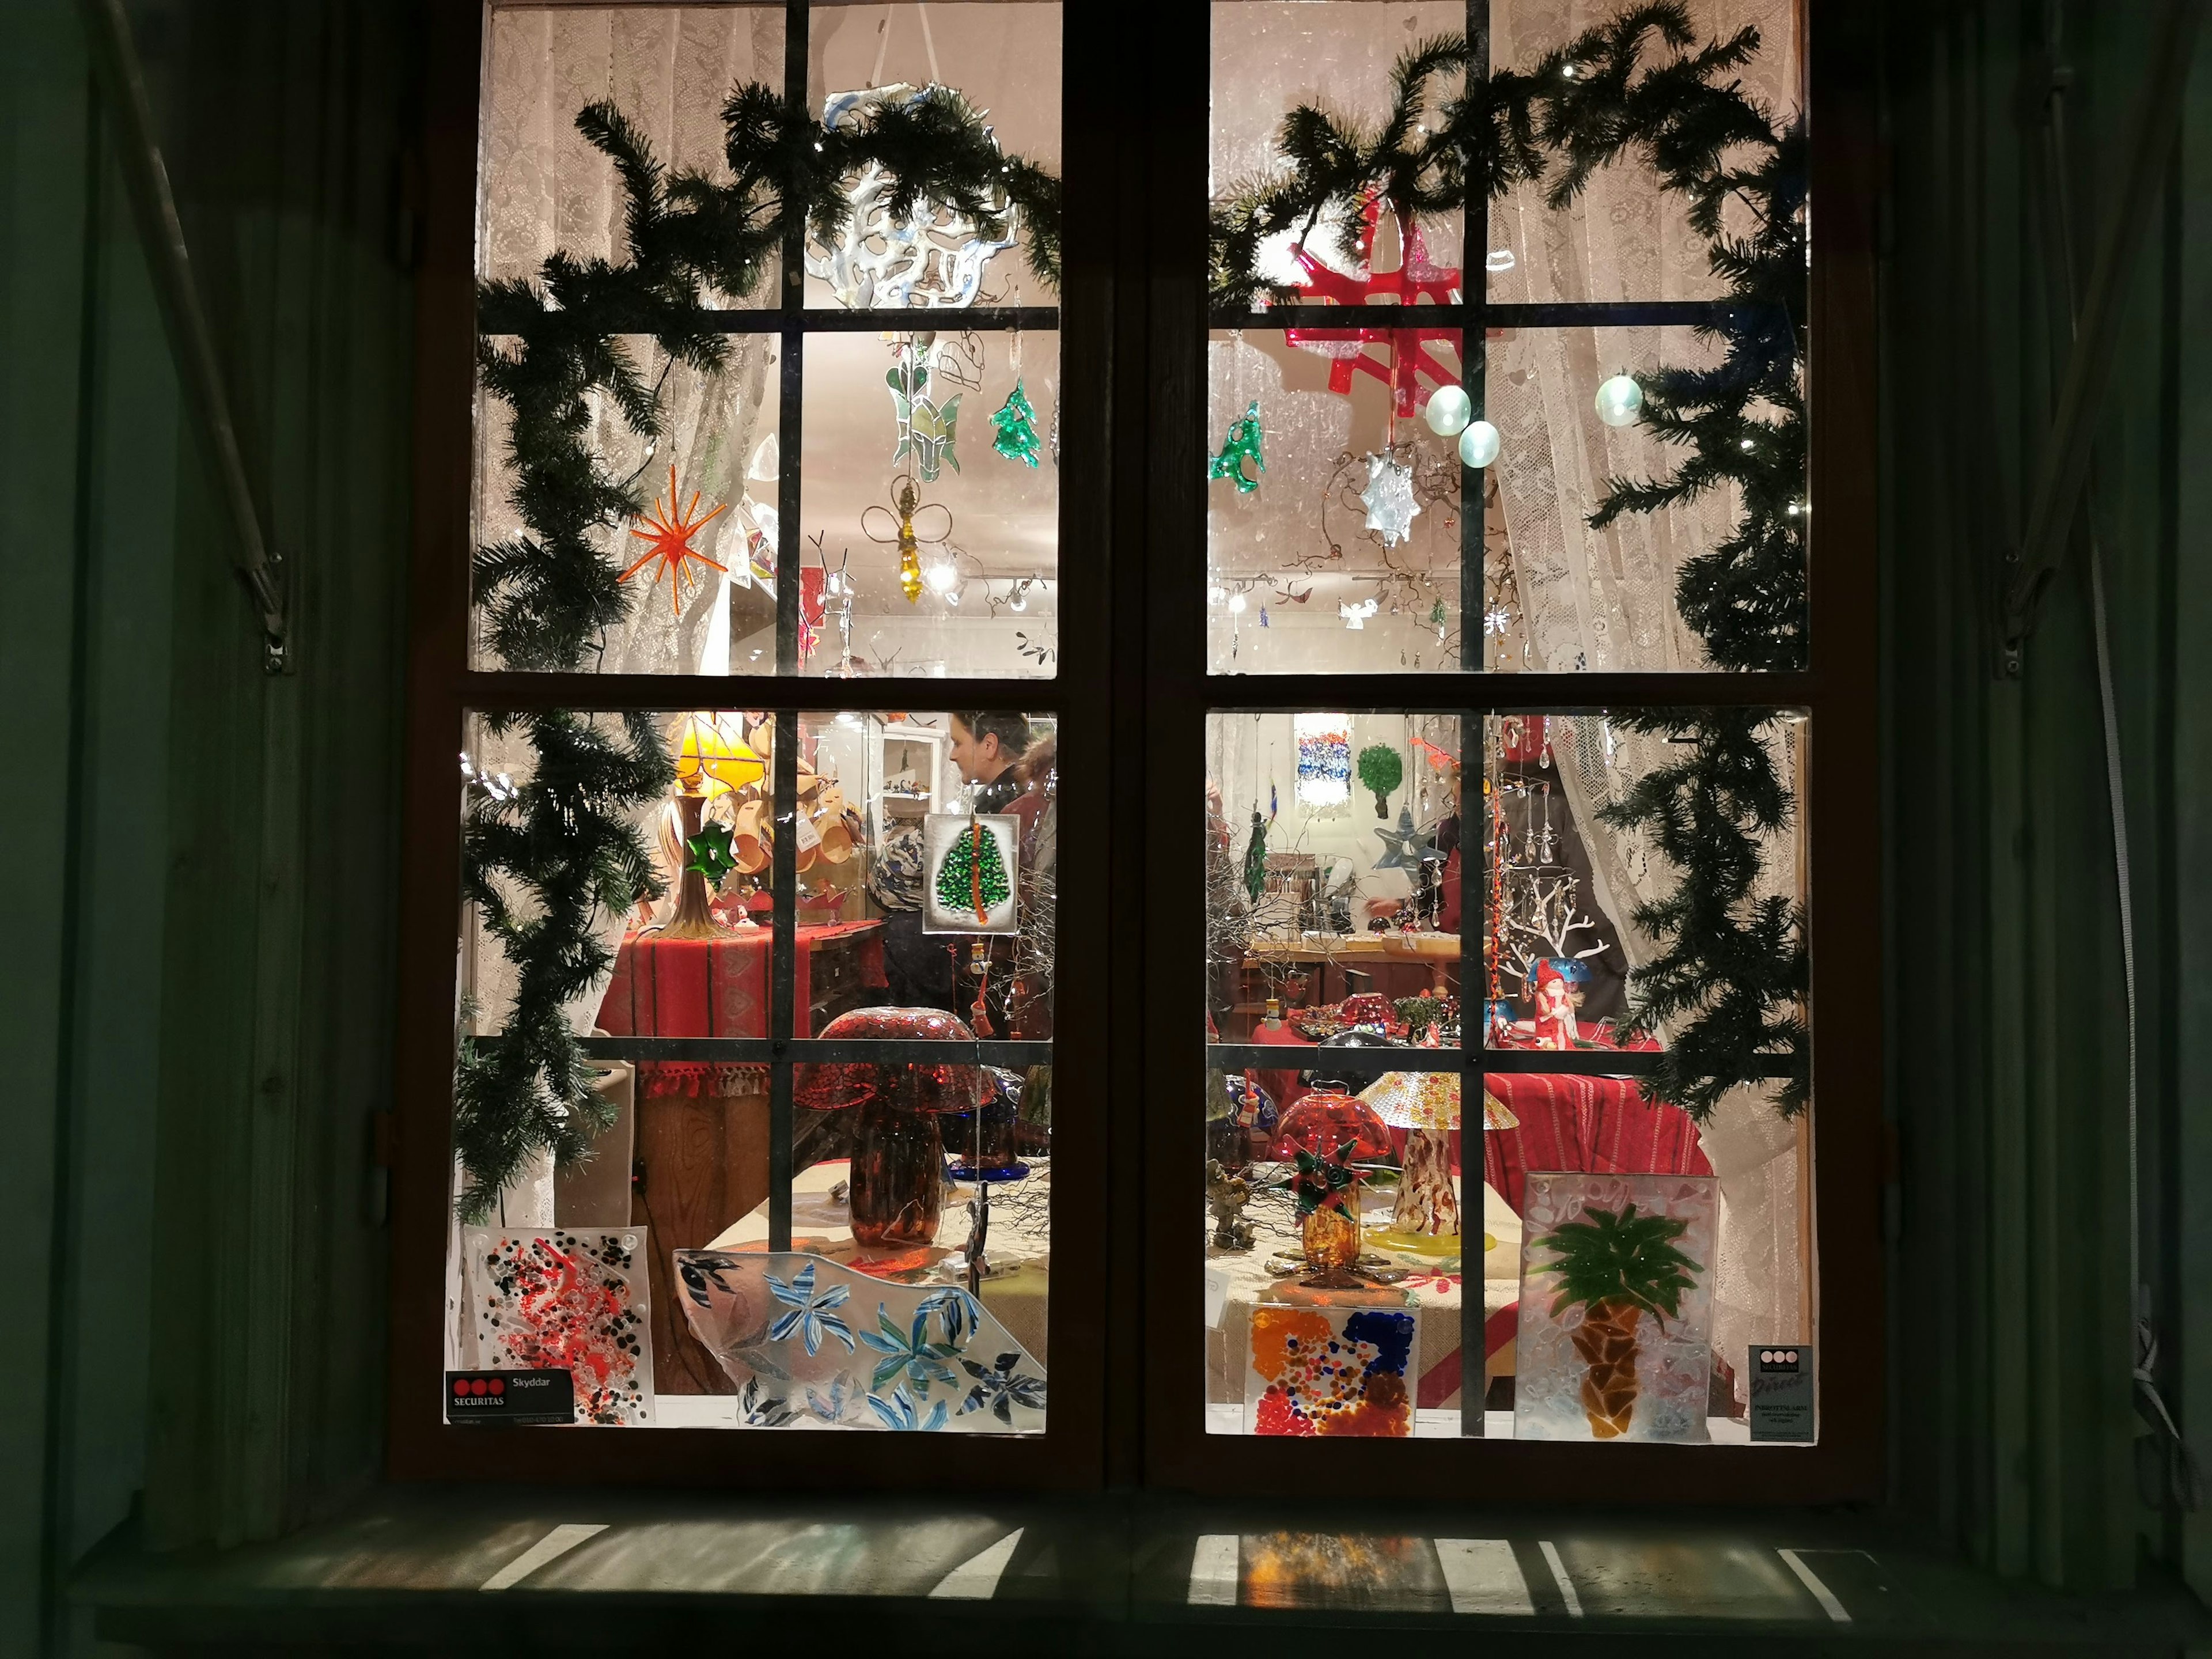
[1389, 497]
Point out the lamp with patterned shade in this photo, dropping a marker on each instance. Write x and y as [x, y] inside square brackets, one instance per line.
[1426, 1104]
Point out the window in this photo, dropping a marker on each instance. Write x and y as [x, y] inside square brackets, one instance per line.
[836, 681]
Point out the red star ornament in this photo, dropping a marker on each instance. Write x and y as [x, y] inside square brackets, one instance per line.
[670, 534]
[1414, 278]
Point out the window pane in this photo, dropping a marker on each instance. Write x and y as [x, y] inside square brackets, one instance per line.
[1572, 910]
[1005, 61]
[962, 576]
[543, 187]
[712, 475]
[1303, 575]
[1625, 237]
[624, 1254]
[1270, 57]
[1330, 934]
[1333, 998]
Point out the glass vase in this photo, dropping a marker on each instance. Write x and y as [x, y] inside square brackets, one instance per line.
[1330, 1238]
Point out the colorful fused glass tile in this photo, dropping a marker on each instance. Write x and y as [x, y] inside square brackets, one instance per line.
[1331, 1370]
[812, 1343]
[546, 1298]
[1324, 759]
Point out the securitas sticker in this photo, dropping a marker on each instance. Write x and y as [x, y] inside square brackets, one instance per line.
[510, 1397]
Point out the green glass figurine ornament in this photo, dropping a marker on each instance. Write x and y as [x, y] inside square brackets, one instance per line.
[1016, 421]
[1243, 443]
[1255, 858]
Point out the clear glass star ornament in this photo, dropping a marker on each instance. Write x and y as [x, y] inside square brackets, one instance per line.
[1389, 497]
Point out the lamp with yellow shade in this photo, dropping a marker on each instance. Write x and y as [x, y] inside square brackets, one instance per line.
[712, 758]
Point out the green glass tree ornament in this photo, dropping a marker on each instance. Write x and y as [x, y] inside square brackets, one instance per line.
[1016, 420]
[1244, 443]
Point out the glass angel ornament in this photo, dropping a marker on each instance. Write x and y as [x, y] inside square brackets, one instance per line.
[907, 523]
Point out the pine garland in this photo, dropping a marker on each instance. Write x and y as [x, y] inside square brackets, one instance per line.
[549, 594]
[1731, 978]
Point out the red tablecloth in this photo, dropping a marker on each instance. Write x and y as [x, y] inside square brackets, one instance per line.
[687, 987]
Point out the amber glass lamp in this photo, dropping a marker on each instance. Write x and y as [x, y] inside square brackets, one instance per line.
[712, 758]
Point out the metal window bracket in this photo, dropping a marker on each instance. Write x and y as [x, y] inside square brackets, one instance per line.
[122, 83]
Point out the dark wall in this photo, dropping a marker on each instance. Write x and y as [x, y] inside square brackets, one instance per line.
[2008, 1026]
[200, 856]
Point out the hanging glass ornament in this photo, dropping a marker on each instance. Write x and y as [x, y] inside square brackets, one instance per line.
[1619, 400]
[898, 528]
[1244, 443]
[1016, 421]
[926, 429]
[1389, 497]
[1449, 411]
[1477, 445]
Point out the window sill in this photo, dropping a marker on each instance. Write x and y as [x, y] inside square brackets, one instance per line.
[409, 1567]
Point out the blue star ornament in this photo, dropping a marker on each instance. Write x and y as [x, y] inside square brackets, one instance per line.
[1406, 848]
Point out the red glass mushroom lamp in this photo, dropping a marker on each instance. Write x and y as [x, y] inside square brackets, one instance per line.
[897, 1188]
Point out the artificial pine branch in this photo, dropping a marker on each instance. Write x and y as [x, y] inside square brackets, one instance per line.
[540, 866]
[1730, 981]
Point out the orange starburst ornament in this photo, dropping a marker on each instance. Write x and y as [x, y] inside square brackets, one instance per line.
[670, 534]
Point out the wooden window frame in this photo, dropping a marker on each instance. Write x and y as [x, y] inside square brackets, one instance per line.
[1132, 695]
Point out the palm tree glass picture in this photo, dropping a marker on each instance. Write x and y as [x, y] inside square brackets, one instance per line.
[1615, 1340]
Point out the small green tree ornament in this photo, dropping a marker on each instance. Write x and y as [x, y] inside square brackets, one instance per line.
[1382, 769]
[1016, 421]
[973, 875]
[1243, 443]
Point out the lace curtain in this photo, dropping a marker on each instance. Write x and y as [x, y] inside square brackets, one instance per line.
[668, 70]
[1603, 600]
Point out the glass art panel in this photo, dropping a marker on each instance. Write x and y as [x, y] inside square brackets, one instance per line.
[546, 1298]
[813, 1343]
[1615, 1330]
[1331, 1371]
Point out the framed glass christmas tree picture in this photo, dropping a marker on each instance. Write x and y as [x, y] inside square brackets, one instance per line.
[970, 868]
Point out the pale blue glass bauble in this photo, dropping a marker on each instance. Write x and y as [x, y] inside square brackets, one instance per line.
[1477, 445]
[1619, 400]
[1450, 409]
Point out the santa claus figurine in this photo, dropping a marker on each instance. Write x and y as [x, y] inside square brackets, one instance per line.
[1555, 1008]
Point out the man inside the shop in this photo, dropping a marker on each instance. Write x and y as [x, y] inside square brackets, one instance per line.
[986, 745]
